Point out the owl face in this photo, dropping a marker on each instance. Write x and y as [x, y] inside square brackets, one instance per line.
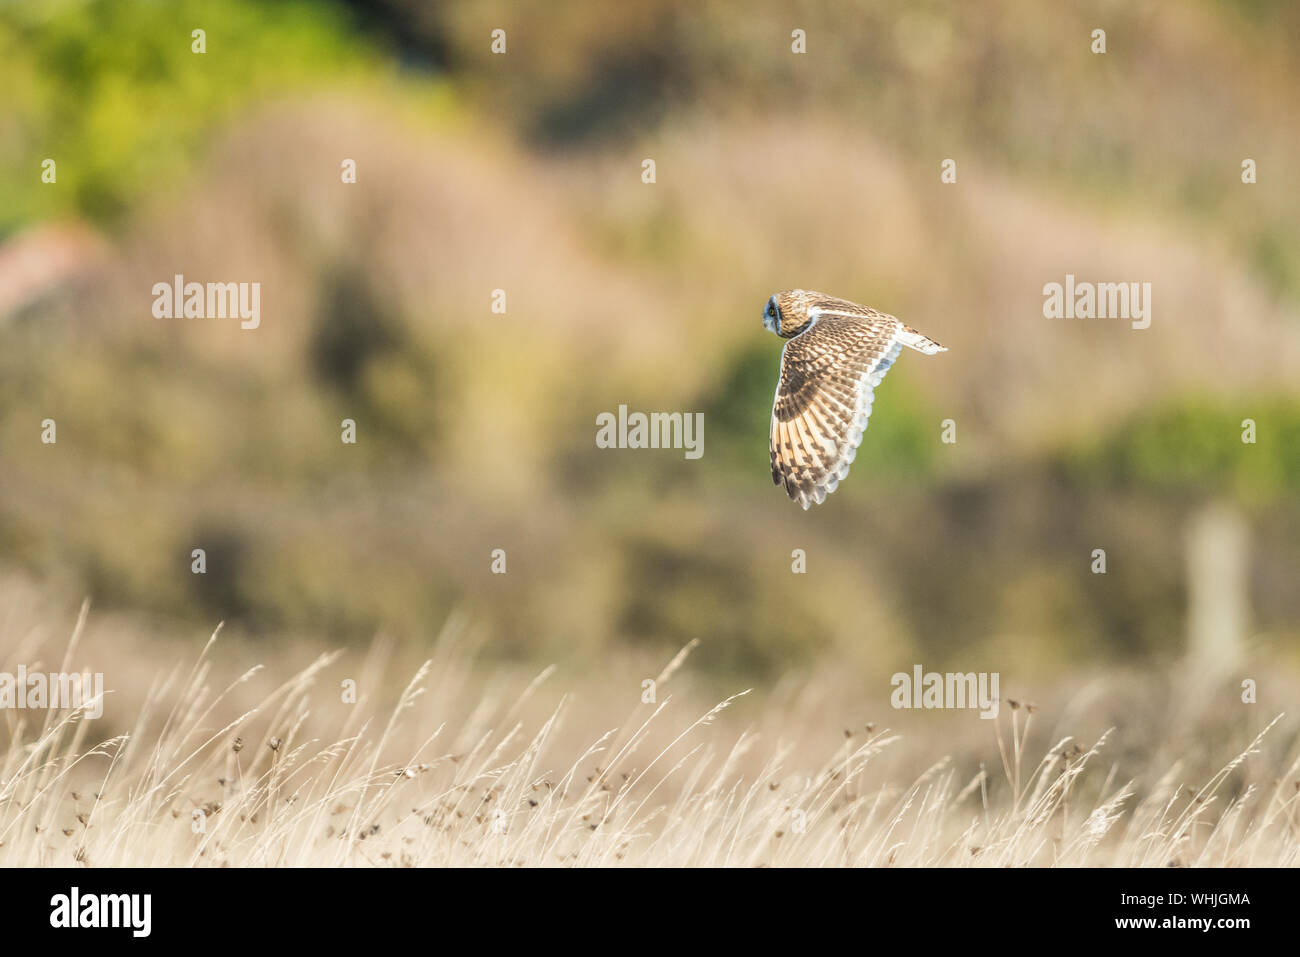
[786, 313]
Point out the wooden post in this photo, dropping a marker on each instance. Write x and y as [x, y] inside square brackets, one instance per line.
[1217, 589]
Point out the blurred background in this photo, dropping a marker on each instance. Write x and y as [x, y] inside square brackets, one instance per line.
[522, 172]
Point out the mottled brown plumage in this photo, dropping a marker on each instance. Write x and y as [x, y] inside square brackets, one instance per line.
[836, 354]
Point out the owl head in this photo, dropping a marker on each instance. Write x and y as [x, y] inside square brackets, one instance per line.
[786, 313]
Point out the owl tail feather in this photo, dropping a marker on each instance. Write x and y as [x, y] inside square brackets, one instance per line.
[921, 343]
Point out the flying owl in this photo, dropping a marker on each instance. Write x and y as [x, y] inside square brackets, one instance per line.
[837, 353]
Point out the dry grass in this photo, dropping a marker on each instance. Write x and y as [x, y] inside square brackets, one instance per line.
[257, 786]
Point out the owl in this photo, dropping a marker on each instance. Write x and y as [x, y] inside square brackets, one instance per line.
[837, 353]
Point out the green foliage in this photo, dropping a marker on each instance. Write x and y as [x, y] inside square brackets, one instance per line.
[1275, 254]
[901, 443]
[113, 93]
[1195, 445]
[738, 411]
[352, 329]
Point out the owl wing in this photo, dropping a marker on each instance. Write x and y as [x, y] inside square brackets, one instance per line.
[829, 373]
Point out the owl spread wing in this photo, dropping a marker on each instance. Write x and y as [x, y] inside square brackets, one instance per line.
[829, 373]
